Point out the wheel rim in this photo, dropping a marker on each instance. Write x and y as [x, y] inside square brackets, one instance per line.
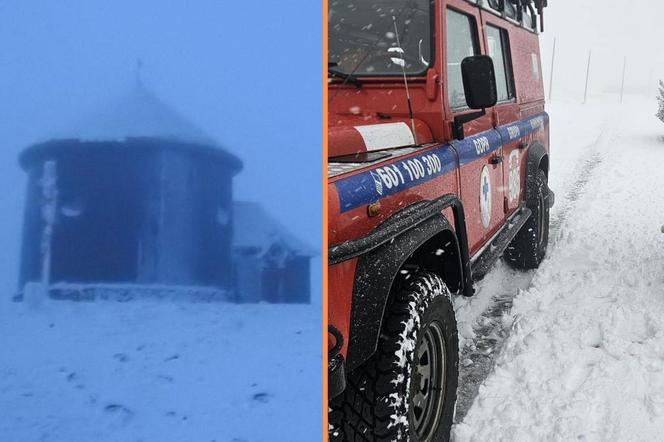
[428, 383]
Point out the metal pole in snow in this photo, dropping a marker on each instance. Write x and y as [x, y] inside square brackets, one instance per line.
[139, 68]
[48, 209]
[622, 85]
[553, 61]
[585, 94]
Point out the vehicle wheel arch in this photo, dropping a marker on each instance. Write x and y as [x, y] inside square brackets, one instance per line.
[379, 270]
[538, 159]
[439, 254]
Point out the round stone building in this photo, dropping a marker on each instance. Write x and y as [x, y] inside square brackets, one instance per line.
[136, 196]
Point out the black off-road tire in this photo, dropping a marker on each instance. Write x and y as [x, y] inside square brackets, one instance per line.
[378, 402]
[528, 248]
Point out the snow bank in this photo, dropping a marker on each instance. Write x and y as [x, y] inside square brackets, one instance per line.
[159, 371]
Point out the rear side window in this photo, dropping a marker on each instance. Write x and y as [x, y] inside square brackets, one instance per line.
[498, 47]
[461, 43]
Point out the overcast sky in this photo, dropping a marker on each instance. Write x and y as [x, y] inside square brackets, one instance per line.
[612, 30]
[246, 73]
[250, 79]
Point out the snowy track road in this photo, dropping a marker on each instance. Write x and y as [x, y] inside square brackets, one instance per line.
[479, 354]
[491, 328]
[580, 355]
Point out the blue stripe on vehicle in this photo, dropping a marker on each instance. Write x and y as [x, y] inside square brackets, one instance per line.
[522, 128]
[374, 184]
[477, 146]
[380, 182]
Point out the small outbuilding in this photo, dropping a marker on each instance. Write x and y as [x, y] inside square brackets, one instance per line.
[135, 195]
[272, 265]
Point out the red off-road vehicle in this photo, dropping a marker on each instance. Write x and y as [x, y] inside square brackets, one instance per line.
[438, 166]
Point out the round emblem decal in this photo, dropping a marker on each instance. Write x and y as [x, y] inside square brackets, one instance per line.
[485, 197]
[514, 175]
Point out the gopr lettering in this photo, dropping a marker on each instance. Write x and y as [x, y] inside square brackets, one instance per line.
[482, 145]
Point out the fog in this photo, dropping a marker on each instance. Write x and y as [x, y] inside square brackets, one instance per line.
[248, 78]
[612, 31]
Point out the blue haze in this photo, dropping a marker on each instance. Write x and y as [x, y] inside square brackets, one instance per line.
[247, 73]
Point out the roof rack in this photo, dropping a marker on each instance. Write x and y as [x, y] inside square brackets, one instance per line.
[530, 5]
[534, 7]
[518, 7]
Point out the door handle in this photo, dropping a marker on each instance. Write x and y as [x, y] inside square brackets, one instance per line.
[496, 159]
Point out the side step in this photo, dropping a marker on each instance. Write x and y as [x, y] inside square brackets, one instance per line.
[495, 249]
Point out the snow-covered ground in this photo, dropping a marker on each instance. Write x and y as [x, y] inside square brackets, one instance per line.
[149, 370]
[581, 345]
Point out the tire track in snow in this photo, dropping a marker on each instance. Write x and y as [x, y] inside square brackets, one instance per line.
[478, 356]
[491, 329]
[571, 197]
[584, 171]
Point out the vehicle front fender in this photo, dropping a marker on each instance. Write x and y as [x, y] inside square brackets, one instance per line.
[398, 242]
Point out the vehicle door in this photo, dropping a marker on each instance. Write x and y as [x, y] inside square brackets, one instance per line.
[507, 111]
[480, 152]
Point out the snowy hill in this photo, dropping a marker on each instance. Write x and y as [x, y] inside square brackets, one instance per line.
[158, 371]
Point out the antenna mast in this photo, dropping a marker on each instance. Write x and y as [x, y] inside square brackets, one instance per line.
[402, 63]
[139, 69]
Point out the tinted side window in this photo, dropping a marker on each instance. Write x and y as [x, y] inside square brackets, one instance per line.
[498, 47]
[461, 43]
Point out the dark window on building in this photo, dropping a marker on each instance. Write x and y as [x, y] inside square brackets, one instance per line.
[499, 51]
[461, 43]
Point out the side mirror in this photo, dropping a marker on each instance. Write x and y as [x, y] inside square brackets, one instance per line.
[479, 86]
[479, 81]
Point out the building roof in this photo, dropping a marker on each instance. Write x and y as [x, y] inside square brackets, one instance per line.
[138, 117]
[254, 228]
[137, 114]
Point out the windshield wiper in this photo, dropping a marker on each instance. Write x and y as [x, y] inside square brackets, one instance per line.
[347, 78]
